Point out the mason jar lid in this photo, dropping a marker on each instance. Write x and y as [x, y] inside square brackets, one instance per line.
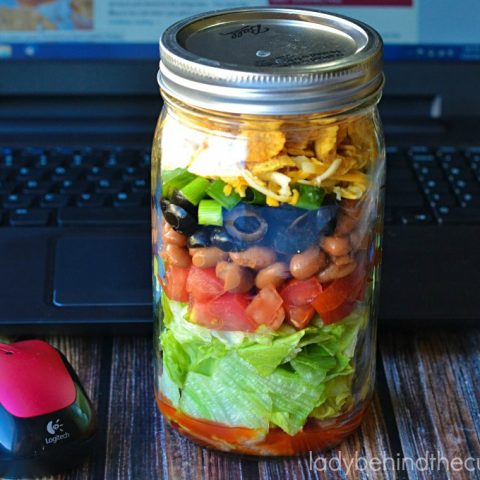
[264, 61]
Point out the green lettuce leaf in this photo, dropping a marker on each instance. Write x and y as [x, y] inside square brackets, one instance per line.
[256, 380]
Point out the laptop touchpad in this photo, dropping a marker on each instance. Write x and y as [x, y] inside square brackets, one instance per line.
[102, 271]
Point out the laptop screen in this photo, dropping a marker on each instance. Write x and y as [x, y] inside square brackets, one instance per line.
[129, 29]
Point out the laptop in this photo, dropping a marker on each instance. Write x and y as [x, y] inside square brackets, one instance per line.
[79, 103]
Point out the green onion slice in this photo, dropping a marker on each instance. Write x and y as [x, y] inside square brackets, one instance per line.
[254, 197]
[215, 191]
[210, 213]
[195, 190]
[310, 197]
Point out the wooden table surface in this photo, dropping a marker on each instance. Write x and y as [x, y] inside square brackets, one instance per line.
[426, 403]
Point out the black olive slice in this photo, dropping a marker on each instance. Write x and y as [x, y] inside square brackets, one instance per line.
[246, 224]
[177, 198]
[180, 220]
[200, 239]
[221, 239]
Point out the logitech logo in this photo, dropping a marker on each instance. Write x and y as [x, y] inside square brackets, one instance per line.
[55, 429]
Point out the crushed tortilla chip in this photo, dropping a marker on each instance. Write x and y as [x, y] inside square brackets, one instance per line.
[326, 142]
[263, 145]
[272, 165]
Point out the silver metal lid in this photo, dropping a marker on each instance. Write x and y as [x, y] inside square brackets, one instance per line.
[264, 61]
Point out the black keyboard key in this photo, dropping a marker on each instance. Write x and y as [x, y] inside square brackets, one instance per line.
[466, 186]
[94, 173]
[72, 187]
[15, 200]
[91, 200]
[429, 172]
[95, 157]
[472, 150]
[36, 187]
[108, 186]
[103, 216]
[62, 173]
[441, 198]
[414, 216]
[398, 200]
[439, 186]
[134, 199]
[459, 215]
[82, 161]
[423, 157]
[29, 217]
[6, 161]
[414, 149]
[46, 162]
[469, 200]
[26, 173]
[135, 173]
[6, 187]
[140, 185]
[54, 200]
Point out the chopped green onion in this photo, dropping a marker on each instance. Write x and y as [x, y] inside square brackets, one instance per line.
[310, 197]
[210, 213]
[216, 191]
[195, 190]
[177, 178]
[254, 197]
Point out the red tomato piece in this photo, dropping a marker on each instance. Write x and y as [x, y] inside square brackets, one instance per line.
[334, 316]
[338, 299]
[300, 316]
[175, 285]
[203, 284]
[267, 308]
[301, 292]
[227, 312]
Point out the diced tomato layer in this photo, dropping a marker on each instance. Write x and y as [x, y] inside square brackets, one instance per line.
[313, 436]
[301, 292]
[266, 308]
[298, 296]
[227, 312]
[300, 316]
[337, 300]
[175, 283]
[341, 312]
[203, 284]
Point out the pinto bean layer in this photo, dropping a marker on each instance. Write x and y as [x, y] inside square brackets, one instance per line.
[254, 257]
[336, 246]
[304, 265]
[334, 272]
[177, 256]
[274, 275]
[236, 279]
[208, 257]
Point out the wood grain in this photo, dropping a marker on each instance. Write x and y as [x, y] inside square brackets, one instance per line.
[434, 383]
[138, 444]
[427, 399]
[85, 355]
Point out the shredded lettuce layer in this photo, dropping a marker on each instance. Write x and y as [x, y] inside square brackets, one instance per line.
[256, 380]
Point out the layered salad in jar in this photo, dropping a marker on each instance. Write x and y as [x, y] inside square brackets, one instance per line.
[266, 239]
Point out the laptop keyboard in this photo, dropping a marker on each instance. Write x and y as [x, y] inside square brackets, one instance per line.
[76, 187]
[68, 187]
[433, 185]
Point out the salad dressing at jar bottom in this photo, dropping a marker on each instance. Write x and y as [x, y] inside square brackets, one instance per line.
[268, 169]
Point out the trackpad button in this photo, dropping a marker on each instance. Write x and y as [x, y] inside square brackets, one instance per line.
[102, 271]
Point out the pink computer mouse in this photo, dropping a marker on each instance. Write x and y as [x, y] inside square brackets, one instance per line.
[47, 422]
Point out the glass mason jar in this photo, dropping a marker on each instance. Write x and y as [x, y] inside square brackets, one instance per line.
[267, 178]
